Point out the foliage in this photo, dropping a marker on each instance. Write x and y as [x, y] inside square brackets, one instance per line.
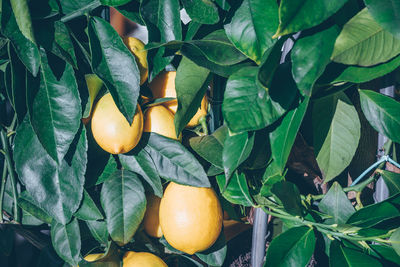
[55, 176]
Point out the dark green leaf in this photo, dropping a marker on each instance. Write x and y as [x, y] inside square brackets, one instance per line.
[336, 129]
[7, 237]
[115, 65]
[26, 202]
[247, 105]
[260, 155]
[173, 161]
[224, 4]
[54, 107]
[341, 256]
[299, 15]
[109, 169]
[23, 18]
[336, 204]
[202, 11]
[386, 13]
[99, 231]
[78, 6]
[55, 188]
[182, 261]
[395, 241]
[386, 252]
[318, 48]
[269, 183]
[382, 112]
[392, 180]
[289, 195]
[215, 255]
[237, 190]
[114, 2]
[131, 11]
[66, 241]
[88, 210]
[293, 247]
[252, 27]
[191, 84]
[363, 42]
[124, 203]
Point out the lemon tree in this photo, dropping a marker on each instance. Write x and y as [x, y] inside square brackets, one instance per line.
[116, 152]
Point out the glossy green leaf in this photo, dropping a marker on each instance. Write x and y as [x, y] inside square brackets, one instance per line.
[210, 147]
[215, 255]
[237, 149]
[115, 65]
[341, 256]
[386, 252]
[88, 211]
[26, 202]
[364, 42]
[140, 162]
[283, 137]
[66, 241]
[26, 50]
[202, 11]
[173, 161]
[23, 18]
[109, 169]
[336, 129]
[247, 105]
[293, 247]
[260, 155]
[386, 13]
[318, 48]
[268, 183]
[191, 84]
[336, 204]
[289, 195]
[392, 181]
[382, 112]
[114, 2]
[73, 6]
[124, 203]
[131, 11]
[99, 231]
[299, 15]
[376, 213]
[252, 27]
[395, 241]
[236, 190]
[55, 188]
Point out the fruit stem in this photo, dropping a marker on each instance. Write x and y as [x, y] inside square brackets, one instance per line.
[203, 123]
[6, 147]
[2, 189]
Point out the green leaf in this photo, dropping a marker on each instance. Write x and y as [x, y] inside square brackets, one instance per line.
[336, 204]
[26, 202]
[289, 195]
[363, 42]
[386, 252]
[236, 189]
[182, 261]
[382, 112]
[191, 84]
[293, 247]
[7, 237]
[386, 13]
[109, 169]
[55, 188]
[252, 27]
[66, 241]
[237, 149]
[210, 147]
[26, 50]
[268, 183]
[114, 2]
[215, 255]
[247, 105]
[124, 203]
[131, 11]
[392, 180]
[201, 11]
[83, 6]
[336, 128]
[88, 210]
[318, 48]
[376, 213]
[115, 65]
[283, 137]
[140, 162]
[23, 18]
[298, 15]
[395, 241]
[340, 256]
[173, 161]
[99, 231]
[54, 106]
[94, 85]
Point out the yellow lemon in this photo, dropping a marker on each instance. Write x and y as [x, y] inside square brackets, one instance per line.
[136, 47]
[110, 128]
[142, 259]
[158, 119]
[151, 219]
[201, 112]
[190, 217]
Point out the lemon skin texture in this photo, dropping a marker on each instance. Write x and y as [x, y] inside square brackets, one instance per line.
[111, 130]
[158, 119]
[190, 217]
[136, 47]
[151, 220]
[142, 259]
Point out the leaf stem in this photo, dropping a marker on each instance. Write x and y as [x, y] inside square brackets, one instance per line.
[11, 172]
[2, 189]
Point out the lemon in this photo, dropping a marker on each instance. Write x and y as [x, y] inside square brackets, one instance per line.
[151, 219]
[158, 119]
[190, 217]
[110, 128]
[142, 259]
[201, 112]
[136, 47]
[112, 261]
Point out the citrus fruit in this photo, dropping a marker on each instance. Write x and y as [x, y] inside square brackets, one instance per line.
[201, 112]
[136, 47]
[190, 217]
[158, 119]
[142, 259]
[110, 128]
[112, 261]
[151, 220]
